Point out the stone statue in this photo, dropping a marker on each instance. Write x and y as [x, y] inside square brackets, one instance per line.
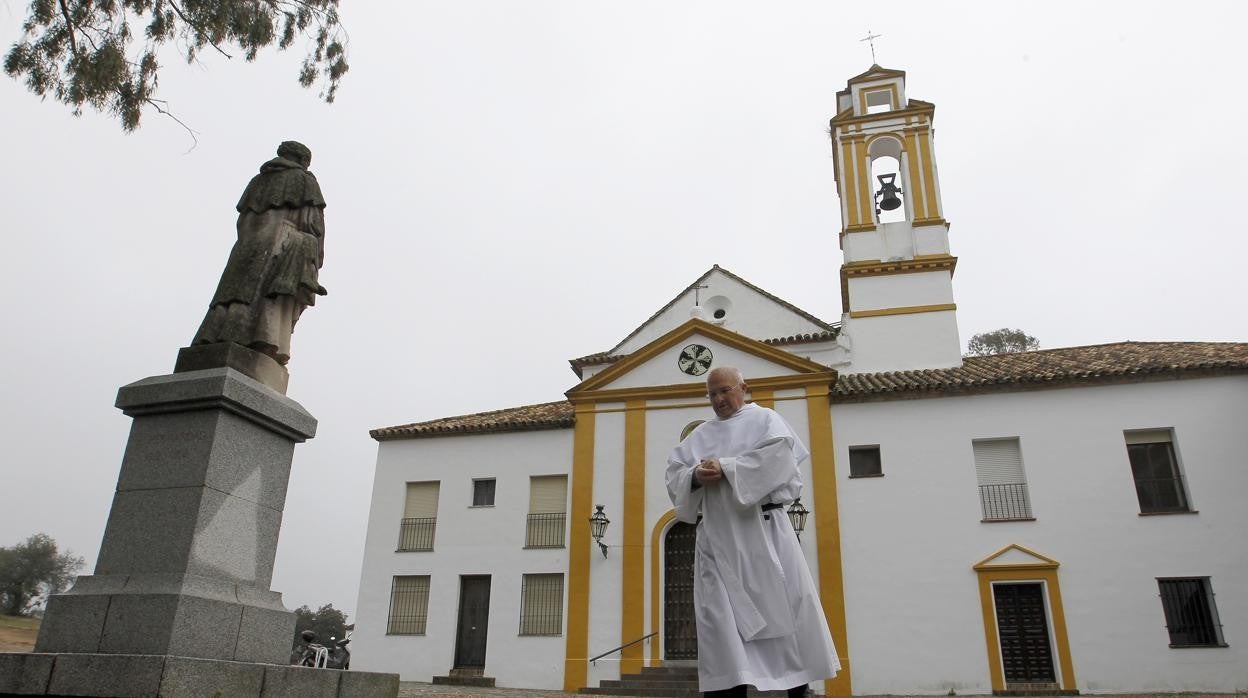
[271, 275]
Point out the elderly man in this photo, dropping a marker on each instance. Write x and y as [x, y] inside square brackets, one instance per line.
[758, 616]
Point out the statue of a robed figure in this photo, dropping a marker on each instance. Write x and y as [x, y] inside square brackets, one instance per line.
[271, 275]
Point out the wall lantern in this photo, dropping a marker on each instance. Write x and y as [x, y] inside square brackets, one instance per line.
[797, 516]
[598, 526]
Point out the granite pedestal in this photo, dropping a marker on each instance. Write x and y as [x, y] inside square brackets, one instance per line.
[180, 604]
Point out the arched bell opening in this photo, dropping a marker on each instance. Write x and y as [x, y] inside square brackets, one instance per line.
[889, 186]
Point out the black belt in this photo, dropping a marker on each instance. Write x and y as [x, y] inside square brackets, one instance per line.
[773, 505]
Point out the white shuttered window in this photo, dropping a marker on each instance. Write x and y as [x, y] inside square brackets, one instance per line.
[548, 506]
[1003, 492]
[420, 517]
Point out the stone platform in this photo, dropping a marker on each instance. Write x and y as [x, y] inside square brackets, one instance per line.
[165, 676]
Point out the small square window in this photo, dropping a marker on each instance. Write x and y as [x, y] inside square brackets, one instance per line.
[483, 493]
[1191, 616]
[864, 461]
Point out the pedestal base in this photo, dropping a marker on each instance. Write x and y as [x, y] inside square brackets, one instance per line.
[167, 676]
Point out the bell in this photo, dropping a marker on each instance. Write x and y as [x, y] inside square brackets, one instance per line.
[887, 195]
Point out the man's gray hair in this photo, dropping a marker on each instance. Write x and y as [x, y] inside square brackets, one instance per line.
[732, 371]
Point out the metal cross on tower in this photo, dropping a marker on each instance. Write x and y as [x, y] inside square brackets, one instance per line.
[870, 39]
[696, 289]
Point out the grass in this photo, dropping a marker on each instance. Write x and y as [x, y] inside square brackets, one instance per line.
[19, 622]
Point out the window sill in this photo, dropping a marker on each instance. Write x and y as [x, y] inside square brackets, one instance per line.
[861, 477]
[405, 634]
[540, 635]
[545, 547]
[480, 506]
[1199, 647]
[413, 550]
[1170, 513]
[992, 521]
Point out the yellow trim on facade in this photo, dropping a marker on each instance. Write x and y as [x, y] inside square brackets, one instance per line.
[685, 390]
[921, 263]
[864, 180]
[828, 531]
[1043, 570]
[904, 310]
[576, 653]
[894, 97]
[853, 217]
[932, 221]
[929, 173]
[633, 525]
[590, 388]
[656, 585]
[763, 397]
[917, 203]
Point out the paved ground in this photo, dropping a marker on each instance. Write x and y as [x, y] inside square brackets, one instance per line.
[412, 689]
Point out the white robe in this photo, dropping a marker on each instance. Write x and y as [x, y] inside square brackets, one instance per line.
[758, 615]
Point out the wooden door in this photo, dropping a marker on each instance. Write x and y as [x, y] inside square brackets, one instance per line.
[1023, 628]
[680, 632]
[474, 617]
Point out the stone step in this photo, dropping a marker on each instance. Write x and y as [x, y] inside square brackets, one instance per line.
[479, 681]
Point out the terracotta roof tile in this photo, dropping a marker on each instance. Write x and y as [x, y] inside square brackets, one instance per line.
[1123, 362]
[1102, 363]
[548, 415]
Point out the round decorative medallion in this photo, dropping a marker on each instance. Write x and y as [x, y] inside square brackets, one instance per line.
[694, 359]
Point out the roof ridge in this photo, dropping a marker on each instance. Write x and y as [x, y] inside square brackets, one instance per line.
[827, 326]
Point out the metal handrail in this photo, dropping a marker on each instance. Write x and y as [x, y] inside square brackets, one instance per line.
[628, 644]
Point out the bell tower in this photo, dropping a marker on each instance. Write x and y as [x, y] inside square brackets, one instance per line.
[897, 277]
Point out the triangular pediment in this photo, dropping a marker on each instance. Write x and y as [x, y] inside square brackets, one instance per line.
[664, 365]
[876, 72]
[1015, 555]
[728, 301]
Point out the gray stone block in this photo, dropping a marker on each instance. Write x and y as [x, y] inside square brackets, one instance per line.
[300, 682]
[198, 678]
[25, 674]
[222, 388]
[368, 684]
[249, 362]
[106, 675]
[250, 462]
[168, 450]
[234, 539]
[150, 531]
[72, 623]
[265, 635]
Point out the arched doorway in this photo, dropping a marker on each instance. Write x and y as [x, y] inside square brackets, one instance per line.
[680, 634]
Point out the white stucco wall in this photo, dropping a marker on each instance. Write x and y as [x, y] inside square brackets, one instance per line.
[900, 290]
[902, 342]
[911, 537]
[469, 540]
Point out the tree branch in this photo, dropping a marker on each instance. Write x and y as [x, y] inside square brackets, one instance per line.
[69, 27]
[156, 104]
[192, 25]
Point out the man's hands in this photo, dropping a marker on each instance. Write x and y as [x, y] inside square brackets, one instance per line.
[708, 472]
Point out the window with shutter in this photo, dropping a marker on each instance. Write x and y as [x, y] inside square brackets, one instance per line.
[541, 604]
[1155, 469]
[420, 517]
[548, 506]
[1002, 484]
[409, 605]
[1191, 616]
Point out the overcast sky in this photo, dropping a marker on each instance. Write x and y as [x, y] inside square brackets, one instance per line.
[513, 184]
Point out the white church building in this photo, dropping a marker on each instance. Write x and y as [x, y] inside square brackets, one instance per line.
[1057, 521]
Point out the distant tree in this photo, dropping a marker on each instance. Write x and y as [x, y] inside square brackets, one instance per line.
[325, 621]
[32, 570]
[102, 53]
[1002, 341]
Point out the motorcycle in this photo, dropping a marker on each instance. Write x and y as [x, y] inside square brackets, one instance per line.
[333, 655]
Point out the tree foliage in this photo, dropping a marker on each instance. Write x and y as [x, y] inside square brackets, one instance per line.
[1002, 341]
[325, 621]
[103, 53]
[31, 570]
